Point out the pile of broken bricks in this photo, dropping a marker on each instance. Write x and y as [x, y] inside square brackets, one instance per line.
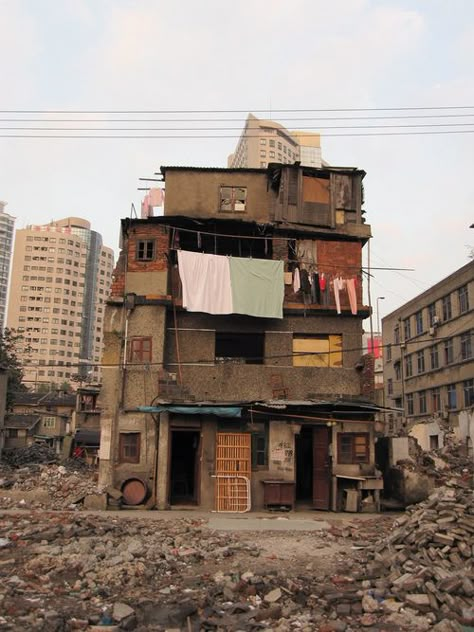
[427, 561]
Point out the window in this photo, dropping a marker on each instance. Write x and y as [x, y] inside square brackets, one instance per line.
[239, 348]
[353, 448]
[145, 249]
[410, 406]
[390, 386]
[419, 322]
[420, 361]
[447, 311]
[233, 199]
[432, 314]
[466, 348]
[396, 335]
[468, 386]
[272, 144]
[389, 353]
[422, 402]
[463, 298]
[272, 154]
[408, 366]
[407, 328]
[317, 351]
[434, 442]
[263, 141]
[129, 447]
[435, 400]
[452, 397]
[398, 372]
[448, 351]
[140, 350]
[434, 357]
[260, 446]
[263, 153]
[49, 422]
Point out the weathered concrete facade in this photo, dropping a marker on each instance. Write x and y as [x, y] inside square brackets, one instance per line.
[429, 361]
[286, 394]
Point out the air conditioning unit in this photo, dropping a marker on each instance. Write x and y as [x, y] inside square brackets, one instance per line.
[435, 321]
[432, 331]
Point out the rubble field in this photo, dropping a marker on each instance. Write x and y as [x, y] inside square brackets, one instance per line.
[81, 571]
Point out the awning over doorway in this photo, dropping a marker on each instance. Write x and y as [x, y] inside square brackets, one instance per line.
[219, 411]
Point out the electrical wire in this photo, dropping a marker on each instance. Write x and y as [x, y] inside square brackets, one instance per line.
[246, 111]
[230, 120]
[220, 136]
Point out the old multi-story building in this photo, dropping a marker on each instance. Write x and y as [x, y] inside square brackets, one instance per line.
[7, 223]
[61, 276]
[263, 141]
[43, 417]
[429, 362]
[233, 367]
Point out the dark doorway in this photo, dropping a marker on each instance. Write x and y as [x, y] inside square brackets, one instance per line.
[304, 465]
[184, 473]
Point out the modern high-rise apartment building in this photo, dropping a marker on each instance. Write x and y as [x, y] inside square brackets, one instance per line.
[264, 141]
[61, 275]
[7, 223]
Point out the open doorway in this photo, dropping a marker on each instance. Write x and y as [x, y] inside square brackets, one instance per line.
[184, 470]
[304, 466]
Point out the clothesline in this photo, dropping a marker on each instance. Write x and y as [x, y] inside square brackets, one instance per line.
[295, 261]
[273, 238]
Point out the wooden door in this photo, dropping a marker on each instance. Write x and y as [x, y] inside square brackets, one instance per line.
[233, 470]
[321, 468]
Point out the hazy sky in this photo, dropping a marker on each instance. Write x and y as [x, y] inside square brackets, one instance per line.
[258, 56]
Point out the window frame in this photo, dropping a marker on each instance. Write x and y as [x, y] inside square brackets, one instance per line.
[419, 322]
[447, 307]
[141, 250]
[463, 299]
[422, 407]
[434, 357]
[466, 345]
[233, 200]
[452, 397]
[352, 460]
[136, 352]
[410, 404]
[468, 390]
[448, 351]
[134, 447]
[420, 361]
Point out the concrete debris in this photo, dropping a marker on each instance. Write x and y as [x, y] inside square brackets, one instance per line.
[46, 486]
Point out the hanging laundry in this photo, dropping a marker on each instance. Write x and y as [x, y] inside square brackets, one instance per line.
[206, 282]
[315, 288]
[296, 280]
[338, 285]
[217, 284]
[351, 291]
[257, 287]
[305, 284]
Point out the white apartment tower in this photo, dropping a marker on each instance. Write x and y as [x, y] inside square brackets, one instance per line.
[7, 223]
[61, 275]
[264, 141]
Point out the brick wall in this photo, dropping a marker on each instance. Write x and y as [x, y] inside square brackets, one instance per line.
[117, 287]
[148, 231]
[342, 258]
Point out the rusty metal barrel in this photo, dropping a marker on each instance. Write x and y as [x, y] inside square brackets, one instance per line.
[134, 491]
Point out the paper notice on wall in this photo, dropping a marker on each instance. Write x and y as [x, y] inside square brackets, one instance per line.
[278, 454]
[105, 444]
